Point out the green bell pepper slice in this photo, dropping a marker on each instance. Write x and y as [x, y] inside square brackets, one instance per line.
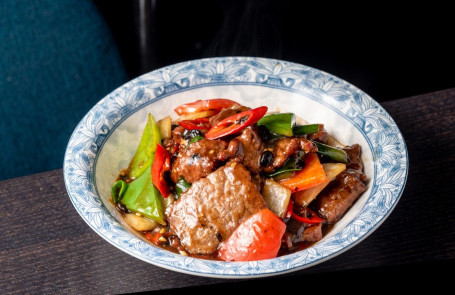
[143, 158]
[144, 198]
[181, 186]
[278, 123]
[118, 190]
[305, 129]
[331, 152]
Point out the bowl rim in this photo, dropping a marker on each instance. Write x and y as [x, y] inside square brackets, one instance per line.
[81, 184]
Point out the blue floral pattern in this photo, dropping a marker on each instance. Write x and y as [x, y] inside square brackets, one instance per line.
[380, 131]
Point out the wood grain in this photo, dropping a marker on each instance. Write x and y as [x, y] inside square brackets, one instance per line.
[45, 247]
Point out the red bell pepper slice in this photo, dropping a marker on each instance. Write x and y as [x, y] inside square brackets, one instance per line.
[311, 175]
[203, 105]
[313, 219]
[153, 237]
[233, 124]
[161, 163]
[289, 210]
[257, 237]
[199, 124]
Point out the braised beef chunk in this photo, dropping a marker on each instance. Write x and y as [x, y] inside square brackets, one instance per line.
[172, 144]
[355, 162]
[251, 147]
[321, 136]
[285, 147]
[209, 212]
[339, 196]
[343, 191]
[199, 159]
[312, 233]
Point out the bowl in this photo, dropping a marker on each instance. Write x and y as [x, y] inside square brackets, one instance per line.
[107, 136]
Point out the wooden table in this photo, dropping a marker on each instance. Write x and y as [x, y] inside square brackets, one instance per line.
[45, 246]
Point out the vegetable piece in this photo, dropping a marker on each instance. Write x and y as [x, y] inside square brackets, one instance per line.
[289, 167]
[203, 105]
[311, 175]
[139, 223]
[257, 237]
[305, 197]
[118, 190]
[161, 164]
[333, 142]
[290, 209]
[277, 197]
[196, 138]
[305, 129]
[234, 124]
[198, 115]
[181, 186]
[278, 123]
[144, 198]
[313, 219]
[154, 237]
[157, 237]
[165, 127]
[198, 124]
[145, 152]
[331, 152]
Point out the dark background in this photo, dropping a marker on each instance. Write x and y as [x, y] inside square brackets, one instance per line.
[387, 51]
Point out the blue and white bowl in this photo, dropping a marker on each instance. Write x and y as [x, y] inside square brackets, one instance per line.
[105, 140]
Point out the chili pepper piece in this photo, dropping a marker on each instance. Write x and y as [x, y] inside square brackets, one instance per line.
[313, 219]
[203, 105]
[154, 237]
[161, 163]
[198, 124]
[234, 124]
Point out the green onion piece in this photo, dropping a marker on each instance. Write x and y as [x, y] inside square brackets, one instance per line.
[278, 123]
[196, 138]
[118, 190]
[289, 167]
[305, 129]
[331, 152]
[282, 171]
[181, 186]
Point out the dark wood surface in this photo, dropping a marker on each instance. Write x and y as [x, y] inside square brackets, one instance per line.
[46, 248]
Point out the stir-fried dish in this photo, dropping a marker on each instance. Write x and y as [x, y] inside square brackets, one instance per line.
[228, 182]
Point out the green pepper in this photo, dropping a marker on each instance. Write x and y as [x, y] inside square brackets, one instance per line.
[331, 152]
[144, 198]
[118, 190]
[181, 186]
[305, 129]
[278, 123]
[143, 158]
